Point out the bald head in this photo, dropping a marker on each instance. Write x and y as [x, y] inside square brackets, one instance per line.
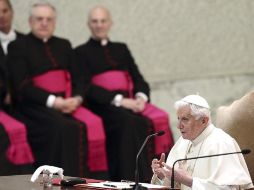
[99, 10]
[99, 22]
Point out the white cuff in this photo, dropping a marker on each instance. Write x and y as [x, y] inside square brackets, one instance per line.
[50, 101]
[142, 95]
[155, 180]
[117, 101]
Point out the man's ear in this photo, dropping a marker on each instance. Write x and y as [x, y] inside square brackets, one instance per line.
[30, 20]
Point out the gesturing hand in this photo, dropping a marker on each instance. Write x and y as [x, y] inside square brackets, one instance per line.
[157, 166]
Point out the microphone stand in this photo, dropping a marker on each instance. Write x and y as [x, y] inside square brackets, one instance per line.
[138, 186]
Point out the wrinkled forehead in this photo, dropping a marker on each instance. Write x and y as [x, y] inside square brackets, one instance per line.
[44, 11]
[184, 111]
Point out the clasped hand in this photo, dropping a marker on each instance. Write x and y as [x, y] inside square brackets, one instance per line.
[67, 105]
[136, 105]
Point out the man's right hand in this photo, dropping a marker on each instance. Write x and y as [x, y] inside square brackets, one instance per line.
[157, 166]
[58, 103]
[70, 105]
[130, 104]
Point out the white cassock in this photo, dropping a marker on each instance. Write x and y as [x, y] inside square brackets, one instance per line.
[214, 173]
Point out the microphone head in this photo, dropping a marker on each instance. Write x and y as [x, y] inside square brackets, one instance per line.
[246, 151]
[160, 133]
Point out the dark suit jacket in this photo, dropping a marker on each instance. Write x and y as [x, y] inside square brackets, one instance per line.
[3, 57]
[7, 168]
[5, 76]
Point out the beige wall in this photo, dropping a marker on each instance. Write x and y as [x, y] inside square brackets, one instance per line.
[181, 46]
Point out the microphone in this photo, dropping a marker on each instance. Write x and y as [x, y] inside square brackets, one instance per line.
[137, 186]
[244, 151]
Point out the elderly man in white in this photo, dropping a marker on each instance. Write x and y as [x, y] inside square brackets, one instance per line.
[199, 137]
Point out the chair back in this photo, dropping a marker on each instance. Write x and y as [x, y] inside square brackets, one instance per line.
[237, 120]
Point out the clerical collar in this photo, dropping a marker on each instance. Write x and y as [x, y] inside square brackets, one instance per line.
[43, 40]
[6, 39]
[207, 131]
[102, 42]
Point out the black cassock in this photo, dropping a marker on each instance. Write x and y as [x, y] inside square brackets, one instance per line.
[3, 64]
[55, 137]
[125, 130]
[3, 57]
[6, 167]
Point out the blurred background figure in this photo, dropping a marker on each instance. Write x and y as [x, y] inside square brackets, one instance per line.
[7, 35]
[16, 156]
[116, 90]
[15, 153]
[45, 79]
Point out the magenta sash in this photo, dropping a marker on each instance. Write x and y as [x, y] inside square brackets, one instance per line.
[121, 80]
[19, 151]
[57, 81]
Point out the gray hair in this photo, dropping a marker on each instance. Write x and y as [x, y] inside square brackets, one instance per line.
[42, 4]
[196, 111]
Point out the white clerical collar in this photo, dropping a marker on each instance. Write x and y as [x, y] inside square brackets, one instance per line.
[45, 40]
[207, 131]
[6, 39]
[104, 42]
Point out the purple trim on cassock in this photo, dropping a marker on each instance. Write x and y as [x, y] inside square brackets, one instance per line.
[121, 80]
[19, 151]
[57, 81]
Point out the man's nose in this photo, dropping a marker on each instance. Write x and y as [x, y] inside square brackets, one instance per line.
[44, 22]
[100, 24]
[179, 123]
